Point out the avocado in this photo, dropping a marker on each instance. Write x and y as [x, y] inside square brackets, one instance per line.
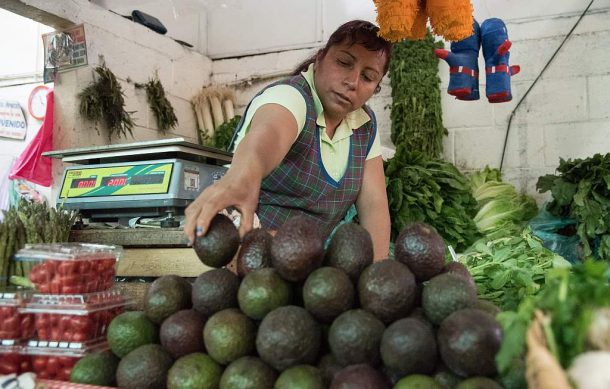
[422, 249]
[387, 289]
[469, 340]
[144, 368]
[297, 248]
[288, 336]
[361, 376]
[478, 383]
[130, 330]
[229, 335]
[354, 337]
[214, 291]
[220, 243]
[327, 293]
[300, 377]
[255, 252]
[194, 371]
[165, 296]
[261, 291]
[329, 366]
[418, 381]
[350, 249]
[460, 269]
[445, 294]
[95, 369]
[408, 346]
[248, 372]
[181, 333]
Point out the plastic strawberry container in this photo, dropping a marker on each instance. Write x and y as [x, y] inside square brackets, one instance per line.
[12, 361]
[55, 360]
[75, 318]
[15, 325]
[71, 268]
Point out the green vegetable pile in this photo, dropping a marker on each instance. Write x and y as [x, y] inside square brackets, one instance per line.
[416, 111]
[581, 191]
[221, 139]
[569, 298]
[507, 270]
[30, 222]
[503, 211]
[433, 191]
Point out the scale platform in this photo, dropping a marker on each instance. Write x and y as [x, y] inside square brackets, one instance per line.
[143, 179]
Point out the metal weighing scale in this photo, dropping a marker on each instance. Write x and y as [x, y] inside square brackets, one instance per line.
[143, 179]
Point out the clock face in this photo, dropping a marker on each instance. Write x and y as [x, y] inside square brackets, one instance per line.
[37, 104]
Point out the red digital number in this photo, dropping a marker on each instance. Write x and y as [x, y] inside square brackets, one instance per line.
[117, 181]
[86, 184]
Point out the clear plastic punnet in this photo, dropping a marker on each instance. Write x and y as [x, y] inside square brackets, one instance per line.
[71, 268]
[55, 360]
[14, 325]
[80, 318]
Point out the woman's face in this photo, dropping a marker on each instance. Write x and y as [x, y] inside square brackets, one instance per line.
[346, 77]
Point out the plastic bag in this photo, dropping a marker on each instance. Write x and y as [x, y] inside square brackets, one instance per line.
[557, 234]
[31, 165]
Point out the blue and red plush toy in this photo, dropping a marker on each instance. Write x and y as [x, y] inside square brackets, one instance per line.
[464, 68]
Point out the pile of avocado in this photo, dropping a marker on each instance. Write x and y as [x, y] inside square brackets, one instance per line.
[296, 315]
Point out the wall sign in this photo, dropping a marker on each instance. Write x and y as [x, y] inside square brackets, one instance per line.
[63, 50]
[12, 120]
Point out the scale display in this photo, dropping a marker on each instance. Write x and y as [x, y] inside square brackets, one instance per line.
[129, 179]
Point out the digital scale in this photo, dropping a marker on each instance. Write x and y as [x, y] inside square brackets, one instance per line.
[143, 179]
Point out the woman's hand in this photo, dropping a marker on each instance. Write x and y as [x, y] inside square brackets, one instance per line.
[232, 190]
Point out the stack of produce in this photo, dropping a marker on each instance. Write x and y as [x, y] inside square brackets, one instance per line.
[67, 314]
[581, 191]
[433, 191]
[502, 211]
[506, 270]
[295, 315]
[29, 222]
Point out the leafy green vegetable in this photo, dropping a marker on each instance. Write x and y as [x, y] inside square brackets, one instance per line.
[508, 269]
[503, 211]
[569, 297]
[416, 111]
[581, 190]
[432, 191]
[221, 139]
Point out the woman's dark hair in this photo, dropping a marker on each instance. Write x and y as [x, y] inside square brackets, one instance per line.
[353, 32]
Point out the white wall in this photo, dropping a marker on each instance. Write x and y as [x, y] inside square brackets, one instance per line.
[566, 113]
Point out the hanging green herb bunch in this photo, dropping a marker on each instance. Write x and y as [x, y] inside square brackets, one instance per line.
[416, 100]
[102, 101]
[160, 105]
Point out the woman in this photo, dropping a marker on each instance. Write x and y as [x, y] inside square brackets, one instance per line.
[311, 145]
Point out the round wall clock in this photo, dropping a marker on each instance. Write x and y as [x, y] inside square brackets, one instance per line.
[37, 103]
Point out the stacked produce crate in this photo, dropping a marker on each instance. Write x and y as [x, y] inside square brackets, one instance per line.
[65, 317]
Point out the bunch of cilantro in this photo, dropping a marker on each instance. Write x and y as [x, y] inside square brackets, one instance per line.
[430, 190]
[581, 191]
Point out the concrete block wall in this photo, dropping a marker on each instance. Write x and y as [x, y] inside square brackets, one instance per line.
[565, 114]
